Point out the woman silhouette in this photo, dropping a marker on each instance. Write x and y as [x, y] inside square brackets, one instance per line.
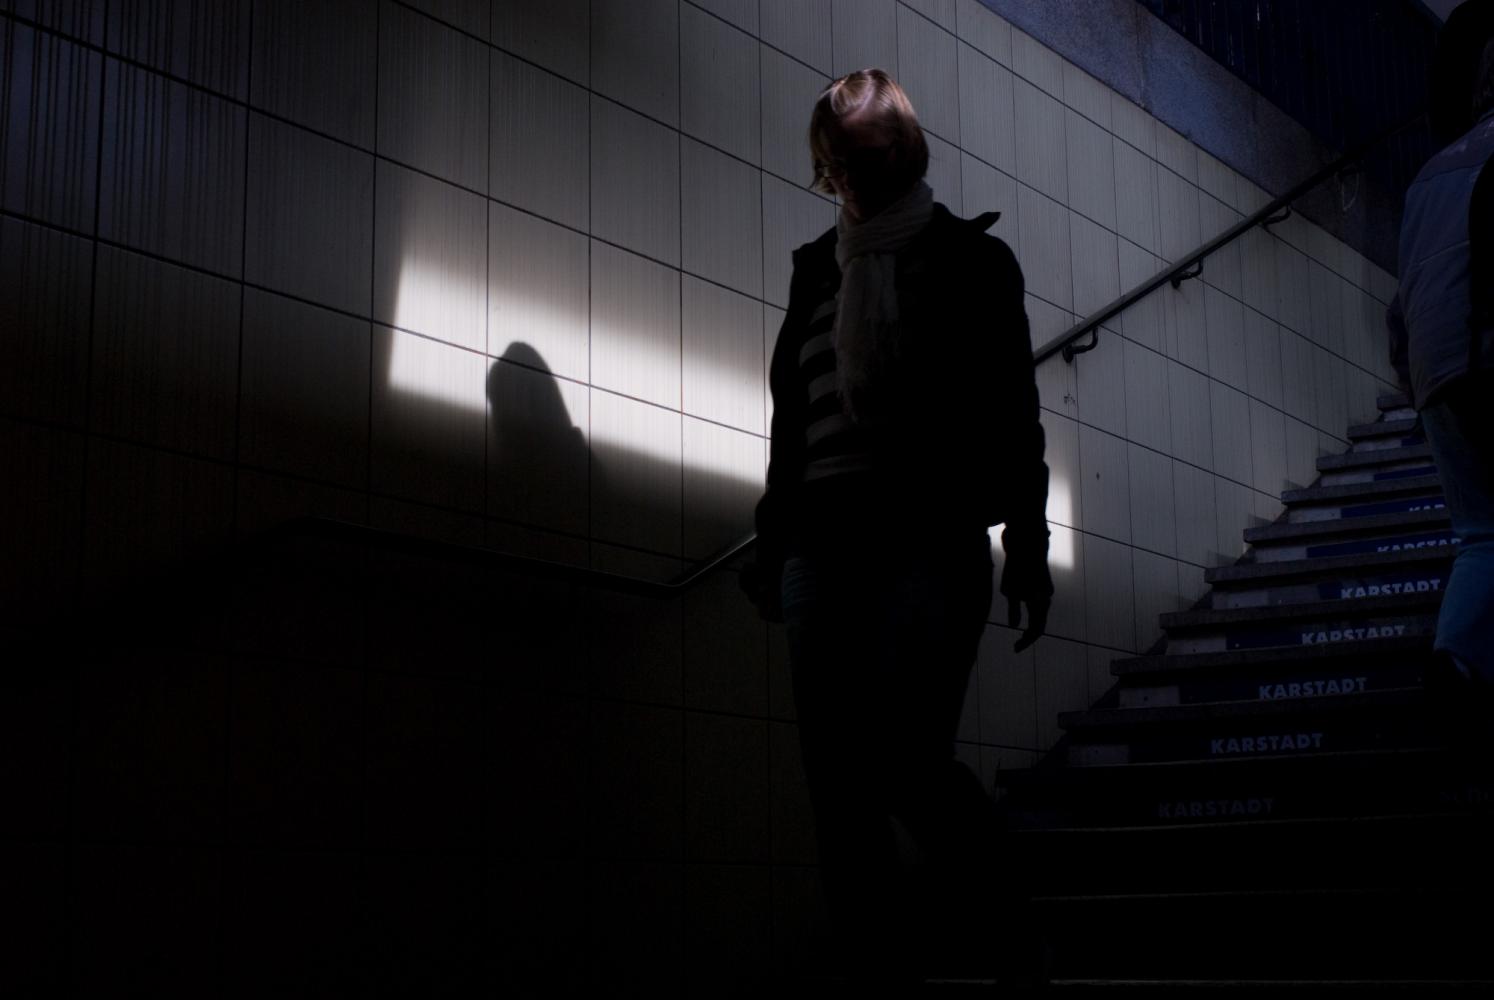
[905, 423]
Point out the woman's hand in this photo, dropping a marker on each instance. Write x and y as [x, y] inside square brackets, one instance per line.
[1037, 620]
[1025, 580]
[763, 587]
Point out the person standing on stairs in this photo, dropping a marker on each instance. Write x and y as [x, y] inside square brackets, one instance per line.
[1442, 346]
[905, 423]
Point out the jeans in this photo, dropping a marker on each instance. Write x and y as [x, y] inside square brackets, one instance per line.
[1460, 429]
[881, 643]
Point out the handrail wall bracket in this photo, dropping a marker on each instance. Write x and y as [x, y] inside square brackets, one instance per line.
[1182, 276]
[1282, 216]
[1070, 349]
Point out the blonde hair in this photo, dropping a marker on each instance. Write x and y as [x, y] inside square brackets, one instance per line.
[875, 95]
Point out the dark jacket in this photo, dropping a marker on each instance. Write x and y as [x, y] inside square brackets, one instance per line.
[964, 449]
[1442, 318]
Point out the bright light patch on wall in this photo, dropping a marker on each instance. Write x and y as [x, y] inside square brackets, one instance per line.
[557, 330]
[632, 359]
[432, 302]
[1061, 536]
[1061, 547]
[638, 437]
[435, 302]
[1060, 501]
[724, 454]
[440, 376]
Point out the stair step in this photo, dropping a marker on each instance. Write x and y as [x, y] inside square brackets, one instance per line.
[1420, 453]
[1371, 534]
[1384, 435]
[1349, 934]
[1326, 578]
[1351, 494]
[1303, 513]
[1414, 519]
[1272, 674]
[1233, 711]
[1392, 401]
[1383, 428]
[1218, 629]
[1169, 665]
[1251, 573]
[1328, 852]
[1304, 985]
[1245, 791]
[1377, 465]
[1286, 683]
[1374, 445]
[1376, 720]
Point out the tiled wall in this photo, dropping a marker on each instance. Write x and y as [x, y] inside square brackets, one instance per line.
[509, 274]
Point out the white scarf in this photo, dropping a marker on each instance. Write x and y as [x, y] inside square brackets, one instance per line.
[866, 335]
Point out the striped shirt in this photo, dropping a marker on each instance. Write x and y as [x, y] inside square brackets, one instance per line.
[834, 444]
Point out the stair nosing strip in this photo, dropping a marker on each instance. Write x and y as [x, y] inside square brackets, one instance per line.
[1382, 428]
[1214, 711]
[1374, 756]
[1251, 572]
[1382, 456]
[1345, 526]
[1359, 607]
[1222, 660]
[1347, 491]
[1381, 818]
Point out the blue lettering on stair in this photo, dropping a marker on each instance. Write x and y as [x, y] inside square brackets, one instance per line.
[1394, 507]
[1274, 743]
[1350, 633]
[1317, 635]
[1215, 808]
[1363, 546]
[1337, 590]
[1429, 470]
[1288, 690]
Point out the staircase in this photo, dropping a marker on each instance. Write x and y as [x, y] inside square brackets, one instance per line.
[1268, 800]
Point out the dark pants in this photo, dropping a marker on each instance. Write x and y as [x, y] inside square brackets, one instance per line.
[1459, 430]
[881, 644]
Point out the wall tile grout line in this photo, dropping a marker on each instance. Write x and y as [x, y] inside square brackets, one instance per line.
[211, 460]
[684, 772]
[367, 618]
[489, 416]
[559, 534]
[588, 897]
[1354, 375]
[230, 99]
[533, 214]
[234, 512]
[765, 362]
[486, 910]
[70, 887]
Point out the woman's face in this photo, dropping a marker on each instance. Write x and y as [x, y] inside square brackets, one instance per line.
[862, 170]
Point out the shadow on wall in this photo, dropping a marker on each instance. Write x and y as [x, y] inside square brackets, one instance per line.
[648, 477]
[643, 476]
[538, 459]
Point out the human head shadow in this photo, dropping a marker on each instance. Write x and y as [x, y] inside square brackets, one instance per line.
[538, 459]
[545, 472]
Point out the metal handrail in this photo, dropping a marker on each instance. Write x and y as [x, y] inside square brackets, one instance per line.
[348, 531]
[1190, 265]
